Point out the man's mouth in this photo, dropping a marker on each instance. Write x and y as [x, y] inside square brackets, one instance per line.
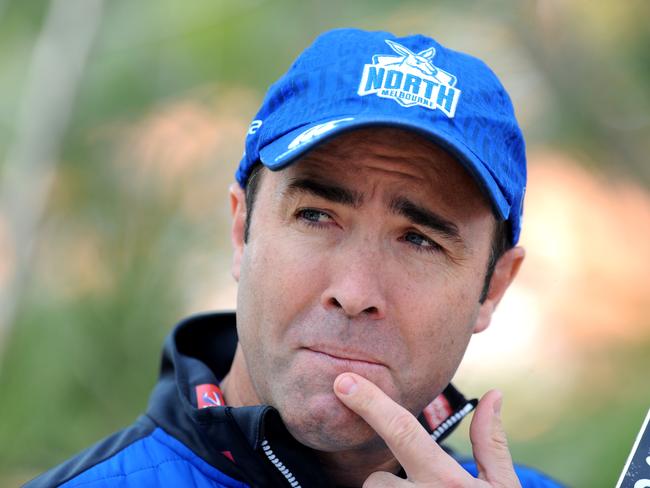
[353, 359]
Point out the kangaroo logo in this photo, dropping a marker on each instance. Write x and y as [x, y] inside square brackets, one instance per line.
[411, 79]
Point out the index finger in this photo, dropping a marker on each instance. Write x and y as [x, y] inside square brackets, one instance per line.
[421, 457]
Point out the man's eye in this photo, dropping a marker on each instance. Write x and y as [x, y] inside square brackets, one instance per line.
[422, 243]
[313, 216]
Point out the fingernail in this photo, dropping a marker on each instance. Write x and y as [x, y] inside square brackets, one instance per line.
[346, 385]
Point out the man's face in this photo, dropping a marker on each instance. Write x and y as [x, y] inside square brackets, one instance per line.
[367, 255]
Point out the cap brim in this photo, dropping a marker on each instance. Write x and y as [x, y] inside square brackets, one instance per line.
[285, 150]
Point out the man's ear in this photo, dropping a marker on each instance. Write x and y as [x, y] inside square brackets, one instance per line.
[238, 212]
[505, 271]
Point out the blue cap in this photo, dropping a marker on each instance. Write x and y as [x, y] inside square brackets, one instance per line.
[349, 78]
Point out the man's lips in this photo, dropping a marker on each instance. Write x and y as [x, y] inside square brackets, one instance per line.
[345, 355]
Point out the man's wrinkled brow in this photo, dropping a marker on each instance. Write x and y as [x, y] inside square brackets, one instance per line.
[398, 205]
[328, 191]
[422, 216]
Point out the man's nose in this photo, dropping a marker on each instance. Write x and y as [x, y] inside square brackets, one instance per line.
[356, 287]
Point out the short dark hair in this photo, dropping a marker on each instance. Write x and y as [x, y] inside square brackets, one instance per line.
[252, 184]
[500, 238]
[500, 244]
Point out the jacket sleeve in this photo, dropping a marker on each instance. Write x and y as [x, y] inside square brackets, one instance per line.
[528, 477]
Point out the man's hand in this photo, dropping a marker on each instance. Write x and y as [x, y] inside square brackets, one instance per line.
[426, 463]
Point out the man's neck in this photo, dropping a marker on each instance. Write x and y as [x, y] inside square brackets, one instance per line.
[352, 468]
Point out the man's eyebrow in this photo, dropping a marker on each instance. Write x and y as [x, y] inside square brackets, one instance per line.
[328, 191]
[427, 218]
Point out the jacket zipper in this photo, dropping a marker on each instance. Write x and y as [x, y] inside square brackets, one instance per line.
[266, 447]
[451, 421]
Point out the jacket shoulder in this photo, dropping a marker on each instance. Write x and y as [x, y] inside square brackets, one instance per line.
[141, 455]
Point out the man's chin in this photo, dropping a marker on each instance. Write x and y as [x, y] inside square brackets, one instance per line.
[323, 423]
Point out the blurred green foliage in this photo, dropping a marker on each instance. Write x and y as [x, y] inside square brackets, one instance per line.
[113, 270]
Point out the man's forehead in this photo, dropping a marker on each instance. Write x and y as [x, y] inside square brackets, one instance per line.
[404, 155]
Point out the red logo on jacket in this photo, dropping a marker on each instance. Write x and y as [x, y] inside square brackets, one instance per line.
[208, 395]
[437, 411]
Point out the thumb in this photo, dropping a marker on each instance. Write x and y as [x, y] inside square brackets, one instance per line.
[489, 443]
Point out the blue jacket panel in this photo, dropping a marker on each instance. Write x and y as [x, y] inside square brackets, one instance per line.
[528, 477]
[156, 460]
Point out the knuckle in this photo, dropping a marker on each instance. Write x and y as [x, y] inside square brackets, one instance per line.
[455, 481]
[500, 440]
[403, 428]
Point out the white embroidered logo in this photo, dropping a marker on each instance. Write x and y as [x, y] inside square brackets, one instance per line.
[254, 127]
[410, 79]
[311, 133]
[316, 131]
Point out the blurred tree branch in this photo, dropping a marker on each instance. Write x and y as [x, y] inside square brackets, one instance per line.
[56, 68]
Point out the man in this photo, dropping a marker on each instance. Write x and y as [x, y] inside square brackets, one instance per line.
[375, 220]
